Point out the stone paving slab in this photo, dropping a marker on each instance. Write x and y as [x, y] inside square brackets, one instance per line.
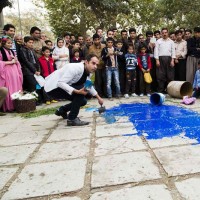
[8, 128]
[123, 168]
[172, 141]
[189, 189]
[5, 175]
[48, 178]
[62, 150]
[15, 154]
[179, 160]
[121, 144]
[70, 134]
[154, 192]
[119, 119]
[20, 138]
[68, 198]
[115, 129]
[36, 126]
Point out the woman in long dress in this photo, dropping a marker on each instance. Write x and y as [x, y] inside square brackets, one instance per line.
[10, 72]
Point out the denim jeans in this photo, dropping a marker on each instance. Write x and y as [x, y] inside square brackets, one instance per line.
[112, 71]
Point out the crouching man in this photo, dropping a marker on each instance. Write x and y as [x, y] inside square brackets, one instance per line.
[68, 83]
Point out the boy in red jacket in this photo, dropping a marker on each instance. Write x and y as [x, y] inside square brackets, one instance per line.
[144, 63]
[47, 67]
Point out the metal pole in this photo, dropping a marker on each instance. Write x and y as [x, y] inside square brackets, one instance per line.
[1, 23]
[20, 23]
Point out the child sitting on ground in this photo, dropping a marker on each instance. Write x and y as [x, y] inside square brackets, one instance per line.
[196, 84]
[144, 63]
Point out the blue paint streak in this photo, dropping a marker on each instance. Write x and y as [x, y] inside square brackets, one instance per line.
[91, 109]
[158, 121]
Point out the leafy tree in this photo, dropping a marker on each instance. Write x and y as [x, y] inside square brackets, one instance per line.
[106, 11]
[5, 3]
[26, 18]
[179, 13]
[72, 16]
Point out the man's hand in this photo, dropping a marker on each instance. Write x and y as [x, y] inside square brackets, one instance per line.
[81, 91]
[172, 63]
[100, 101]
[143, 70]
[157, 63]
[37, 73]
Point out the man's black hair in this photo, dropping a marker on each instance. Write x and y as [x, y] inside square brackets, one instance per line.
[178, 31]
[90, 56]
[47, 41]
[164, 28]
[109, 39]
[157, 31]
[109, 31]
[188, 30]
[132, 30]
[28, 38]
[44, 48]
[66, 34]
[7, 27]
[33, 29]
[149, 33]
[122, 31]
[197, 29]
[75, 42]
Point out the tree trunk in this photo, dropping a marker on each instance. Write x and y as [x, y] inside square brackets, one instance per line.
[1, 23]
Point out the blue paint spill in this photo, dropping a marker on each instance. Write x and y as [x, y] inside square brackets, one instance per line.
[158, 121]
[91, 109]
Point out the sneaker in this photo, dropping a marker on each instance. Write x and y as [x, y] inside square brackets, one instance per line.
[126, 96]
[76, 122]
[148, 95]
[134, 95]
[54, 101]
[141, 95]
[110, 98]
[48, 102]
[61, 113]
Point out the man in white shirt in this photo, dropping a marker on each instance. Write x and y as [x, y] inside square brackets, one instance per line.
[180, 61]
[69, 83]
[164, 54]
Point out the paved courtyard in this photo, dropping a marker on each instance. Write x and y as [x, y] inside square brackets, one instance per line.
[42, 158]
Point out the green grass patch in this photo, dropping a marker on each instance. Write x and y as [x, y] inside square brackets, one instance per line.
[40, 112]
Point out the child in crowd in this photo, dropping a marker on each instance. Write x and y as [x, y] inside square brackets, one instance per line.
[50, 46]
[144, 63]
[131, 64]
[30, 67]
[120, 52]
[60, 53]
[10, 72]
[47, 67]
[75, 45]
[76, 56]
[110, 59]
[196, 84]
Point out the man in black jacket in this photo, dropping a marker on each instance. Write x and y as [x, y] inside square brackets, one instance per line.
[30, 65]
[193, 46]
